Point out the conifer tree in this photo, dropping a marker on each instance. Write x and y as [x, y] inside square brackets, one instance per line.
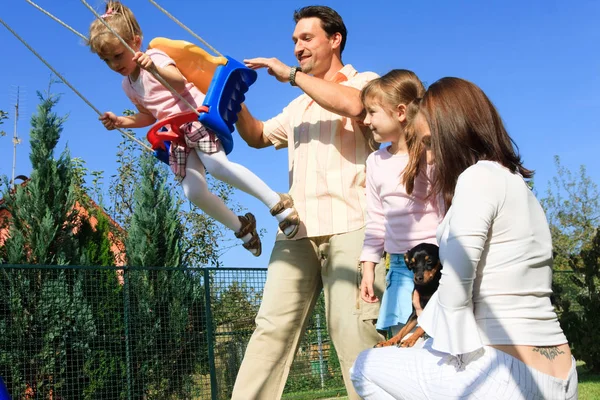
[166, 333]
[46, 323]
[106, 365]
[154, 236]
[42, 210]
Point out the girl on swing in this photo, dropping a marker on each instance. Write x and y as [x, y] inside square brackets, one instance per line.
[203, 151]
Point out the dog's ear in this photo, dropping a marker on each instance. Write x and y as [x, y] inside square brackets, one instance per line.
[406, 261]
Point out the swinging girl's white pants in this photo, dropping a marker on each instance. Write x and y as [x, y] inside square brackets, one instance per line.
[410, 374]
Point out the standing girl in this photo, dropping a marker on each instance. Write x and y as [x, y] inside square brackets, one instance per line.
[203, 151]
[396, 220]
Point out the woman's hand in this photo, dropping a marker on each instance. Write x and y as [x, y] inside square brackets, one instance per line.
[366, 285]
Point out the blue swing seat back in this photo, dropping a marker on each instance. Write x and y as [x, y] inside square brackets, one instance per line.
[224, 99]
[4, 395]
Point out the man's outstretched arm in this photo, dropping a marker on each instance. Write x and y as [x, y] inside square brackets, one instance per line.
[251, 129]
[339, 99]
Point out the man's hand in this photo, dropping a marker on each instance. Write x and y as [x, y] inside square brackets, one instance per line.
[110, 120]
[144, 61]
[274, 67]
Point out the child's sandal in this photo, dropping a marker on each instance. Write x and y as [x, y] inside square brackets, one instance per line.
[249, 227]
[292, 220]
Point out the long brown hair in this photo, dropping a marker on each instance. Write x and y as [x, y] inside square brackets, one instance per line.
[465, 128]
[121, 20]
[416, 151]
[399, 86]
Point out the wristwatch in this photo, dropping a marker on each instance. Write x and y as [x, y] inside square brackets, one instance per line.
[293, 71]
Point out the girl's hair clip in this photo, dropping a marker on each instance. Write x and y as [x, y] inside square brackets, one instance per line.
[108, 13]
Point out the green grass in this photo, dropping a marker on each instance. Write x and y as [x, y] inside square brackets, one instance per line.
[338, 394]
[589, 384]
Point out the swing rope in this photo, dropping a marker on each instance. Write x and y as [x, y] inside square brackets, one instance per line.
[58, 20]
[145, 146]
[185, 28]
[153, 72]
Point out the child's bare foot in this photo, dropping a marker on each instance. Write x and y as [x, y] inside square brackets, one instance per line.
[249, 235]
[286, 214]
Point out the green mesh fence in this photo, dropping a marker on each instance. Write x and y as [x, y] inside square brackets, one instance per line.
[142, 333]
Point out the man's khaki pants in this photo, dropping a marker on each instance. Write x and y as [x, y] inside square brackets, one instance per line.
[298, 270]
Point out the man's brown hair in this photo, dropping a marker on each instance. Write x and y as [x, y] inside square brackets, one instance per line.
[331, 21]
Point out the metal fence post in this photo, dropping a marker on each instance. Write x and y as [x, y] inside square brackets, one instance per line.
[209, 336]
[126, 320]
[320, 343]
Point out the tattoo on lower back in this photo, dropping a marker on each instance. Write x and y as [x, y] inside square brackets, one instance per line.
[549, 352]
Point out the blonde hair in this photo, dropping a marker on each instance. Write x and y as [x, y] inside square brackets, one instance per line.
[400, 86]
[121, 20]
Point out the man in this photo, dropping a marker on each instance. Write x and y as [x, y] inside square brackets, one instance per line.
[328, 147]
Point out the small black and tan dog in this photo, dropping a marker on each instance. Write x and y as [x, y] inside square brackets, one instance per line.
[424, 261]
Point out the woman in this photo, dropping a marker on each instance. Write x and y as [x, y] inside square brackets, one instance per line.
[494, 332]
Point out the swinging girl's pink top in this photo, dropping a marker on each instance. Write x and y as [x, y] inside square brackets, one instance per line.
[150, 94]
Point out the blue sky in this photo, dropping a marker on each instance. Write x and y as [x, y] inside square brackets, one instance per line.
[538, 61]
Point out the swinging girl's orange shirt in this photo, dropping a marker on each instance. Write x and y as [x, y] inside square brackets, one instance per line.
[327, 155]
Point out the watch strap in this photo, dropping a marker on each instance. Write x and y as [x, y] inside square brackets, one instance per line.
[293, 72]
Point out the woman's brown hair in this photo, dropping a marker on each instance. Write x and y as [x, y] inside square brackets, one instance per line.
[465, 128]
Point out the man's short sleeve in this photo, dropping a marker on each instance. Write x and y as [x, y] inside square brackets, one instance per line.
[361, 79]
[358, 82]
[278, 129]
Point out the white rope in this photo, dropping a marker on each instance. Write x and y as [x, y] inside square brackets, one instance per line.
[153, 72]
[145, 146]
[185, 27]
[58, 20]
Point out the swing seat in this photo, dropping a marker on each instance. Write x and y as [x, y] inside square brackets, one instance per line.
[223, 80]
[4, 395]
[167, 129]
[194, 63]
[224, 99]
